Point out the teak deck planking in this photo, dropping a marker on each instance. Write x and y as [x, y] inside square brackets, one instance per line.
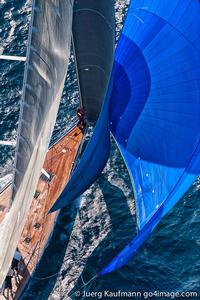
[59, 162]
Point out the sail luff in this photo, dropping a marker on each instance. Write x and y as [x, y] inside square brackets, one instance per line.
[47, 62]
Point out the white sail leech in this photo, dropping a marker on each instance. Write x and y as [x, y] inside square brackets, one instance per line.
[25, 184]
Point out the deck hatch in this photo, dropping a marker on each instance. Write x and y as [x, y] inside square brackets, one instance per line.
[45, 176]
[36, 195]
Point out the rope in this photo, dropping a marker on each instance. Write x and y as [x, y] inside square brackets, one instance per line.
[44, 278]
[84, 284]
[57, 273]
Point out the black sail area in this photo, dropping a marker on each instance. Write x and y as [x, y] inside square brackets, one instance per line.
[94, 42]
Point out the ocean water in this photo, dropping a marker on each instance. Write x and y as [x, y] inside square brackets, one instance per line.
[93, 230]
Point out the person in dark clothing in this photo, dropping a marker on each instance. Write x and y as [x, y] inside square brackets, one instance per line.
[81, 117]
[15, 263]
[15, 267]
[8, 283]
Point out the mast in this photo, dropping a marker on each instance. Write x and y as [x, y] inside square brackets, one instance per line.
[45, 72]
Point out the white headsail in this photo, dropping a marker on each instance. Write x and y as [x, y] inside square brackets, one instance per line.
[45, 73]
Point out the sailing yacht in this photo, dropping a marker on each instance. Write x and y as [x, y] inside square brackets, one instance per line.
[151, 106]
[40, 172]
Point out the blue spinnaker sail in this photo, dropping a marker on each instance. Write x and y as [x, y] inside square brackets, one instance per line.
[155, 108]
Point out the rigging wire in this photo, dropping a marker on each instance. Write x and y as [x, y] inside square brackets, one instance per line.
[89, 282]
[76, 68]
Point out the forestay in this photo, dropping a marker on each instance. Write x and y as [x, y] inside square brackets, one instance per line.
[155, 108]
[45, 72]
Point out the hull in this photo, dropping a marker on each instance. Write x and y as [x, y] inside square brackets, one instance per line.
[56, 171]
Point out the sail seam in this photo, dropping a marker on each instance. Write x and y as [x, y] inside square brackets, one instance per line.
[170, 24]
[96, 12]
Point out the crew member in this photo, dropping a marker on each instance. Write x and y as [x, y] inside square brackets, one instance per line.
[8, 283]
[81, 117]
[15, 261]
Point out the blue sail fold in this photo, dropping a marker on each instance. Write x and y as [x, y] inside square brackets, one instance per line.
[92, 161]
[155, 108]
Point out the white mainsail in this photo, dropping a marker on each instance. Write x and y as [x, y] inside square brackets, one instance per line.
[46, 67]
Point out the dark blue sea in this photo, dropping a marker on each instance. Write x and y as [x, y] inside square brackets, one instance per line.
[92, 231]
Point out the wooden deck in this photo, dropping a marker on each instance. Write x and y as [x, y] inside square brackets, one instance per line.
[39, 225]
